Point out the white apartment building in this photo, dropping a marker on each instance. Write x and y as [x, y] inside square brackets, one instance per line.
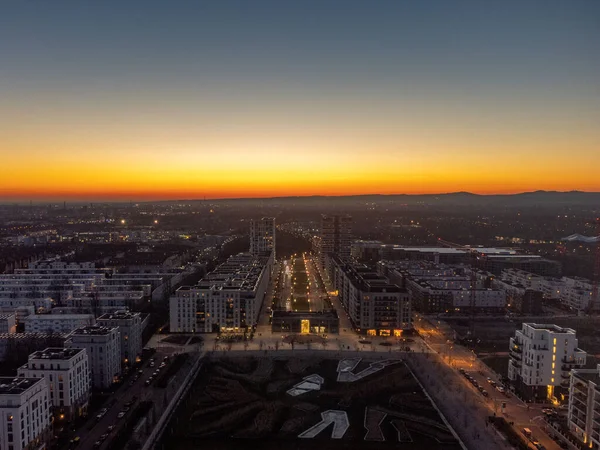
[541, 357]
[584, 406]
[262, 236]
[130, 332]
[103, 346]
[44, 304]
[67, 372]
[375, 306]
[57, 323]
[228, 298]
[25, 412]
[8, 323]
[576, 293]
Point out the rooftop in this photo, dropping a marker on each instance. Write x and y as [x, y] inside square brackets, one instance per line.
[56, 353]
[550, 327]
[60, 317]
[118, 315]
[4, 316]
[12, 386]
[93, 330]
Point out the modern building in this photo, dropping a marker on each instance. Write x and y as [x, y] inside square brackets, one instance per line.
[57, 323]
[130, 332]
[321, 322]
[25, 411]
[103, 346]
[7, 323]
[373, 251]
[262, 236]
[540, 361]
[584, 406]
[68, 374]
[375, 306]
[335, 237]
[228, 298]
[14, 345]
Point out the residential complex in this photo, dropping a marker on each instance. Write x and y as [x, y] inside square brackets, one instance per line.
[375, 306]
[436, 288]
[103, 348]
[228, 298]
[540, 361]
[130, 332]
[67, 372]
[262, 236]
[25, 412]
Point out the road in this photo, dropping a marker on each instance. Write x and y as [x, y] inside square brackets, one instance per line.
[439, 337]
[92, 429]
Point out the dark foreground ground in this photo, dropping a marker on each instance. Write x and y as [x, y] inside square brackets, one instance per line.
[242, 403]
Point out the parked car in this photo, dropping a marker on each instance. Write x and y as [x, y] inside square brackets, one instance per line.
[120, 415]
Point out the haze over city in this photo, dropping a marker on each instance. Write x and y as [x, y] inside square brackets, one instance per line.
[133, 100]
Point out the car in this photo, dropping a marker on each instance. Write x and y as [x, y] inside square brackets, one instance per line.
[131, 383]
[485, 393]
[120, 415]
[75, 441]
[147, 382]
[151, 364]
[493, 383]
[500, 389]
[97, 444]
[489, 380]
[103, 437]
[110, 428]
[140, 371]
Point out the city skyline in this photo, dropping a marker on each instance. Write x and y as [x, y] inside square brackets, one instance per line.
[117, 102]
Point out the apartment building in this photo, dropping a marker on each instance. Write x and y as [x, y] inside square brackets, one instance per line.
[67, 372]
[25, 411]
[262, 236]
[130, 332]
[57, 323]
[335, 238]
[541, 358]
[103, 346]
[375, 306]
[228, 298]
[583, 418]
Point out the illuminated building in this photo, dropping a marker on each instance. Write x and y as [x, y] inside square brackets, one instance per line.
[68, 374]
[25, 411]
[540, 361]
[262, 236]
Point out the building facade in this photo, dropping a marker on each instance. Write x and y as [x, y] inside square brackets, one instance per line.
[262, 236]
[67, 372]
[541, 357]
[375, 306]
[583, 417]
[57, 323]
[335, 237]
[25, 410]
[103, 346]
[130, 332]
[229, 298]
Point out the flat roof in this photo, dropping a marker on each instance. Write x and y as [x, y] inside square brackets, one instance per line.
[446, 250]
[550, 327]
[56, 353]
[12, 386]
[59, 316]
[118, 315]
[93, 330]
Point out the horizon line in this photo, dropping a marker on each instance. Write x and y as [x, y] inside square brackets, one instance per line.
[22, 201]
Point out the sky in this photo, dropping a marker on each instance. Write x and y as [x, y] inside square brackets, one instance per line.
[190, 99]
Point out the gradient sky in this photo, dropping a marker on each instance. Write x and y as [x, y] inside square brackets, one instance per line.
[154, 100]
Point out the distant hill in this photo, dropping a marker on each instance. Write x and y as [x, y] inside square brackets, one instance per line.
[525, 199]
